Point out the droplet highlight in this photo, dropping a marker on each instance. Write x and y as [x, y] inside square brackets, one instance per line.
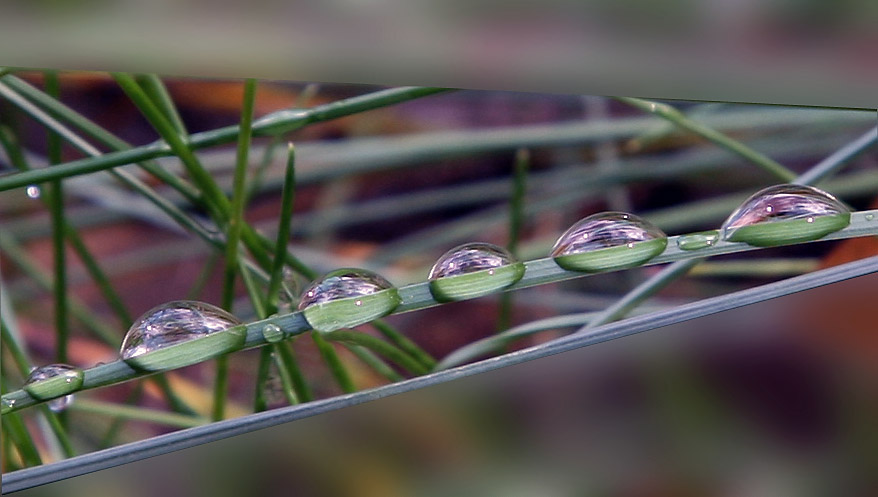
[347, 297]
[607, 241]
[784, 214]
[55, 382]
[696, 241]
[272, 333]
[148, 343]
[33, 191]
[472, 270]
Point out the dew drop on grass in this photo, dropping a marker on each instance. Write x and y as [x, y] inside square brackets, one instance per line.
[696, 241]
[33, 191]
[608, 240]
[785, 214]
[473, 270]
[272, 333]
[69, 379]
[172, 323]
[347, 297]
[870, 217]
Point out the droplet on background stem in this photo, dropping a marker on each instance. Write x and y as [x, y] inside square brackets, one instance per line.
[33, 191]
[272, 333]
[472, 270]
[347, 297]
[53, 381]
[608, 240]
[784, 214]
[696, 241]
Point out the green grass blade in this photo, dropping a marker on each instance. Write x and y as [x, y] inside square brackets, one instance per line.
[370, 359]
[272, 124]
[234, 237]
[59, 111]
[671, 114]
[56, 209]
[137, 413]
[287, 357]
[154, 88]
[339, 372]
[380, 346]
[516, 220]
[283, 230]
[403, 342]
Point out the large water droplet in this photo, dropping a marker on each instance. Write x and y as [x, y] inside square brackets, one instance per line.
[53, 381]
[347, 297]
[33, 191]
[608, 240]
[784, 214]
[176, 323]
[695, 241]
[472, 270]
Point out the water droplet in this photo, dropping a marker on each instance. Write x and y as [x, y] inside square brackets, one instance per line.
[33, 191]
[9, 402]
[347, 297]
[472, 270]
[53, 381]
[695, 241]
[608, 240]
[870, 217]
[272, 333]
[176, 323]
[784, 214]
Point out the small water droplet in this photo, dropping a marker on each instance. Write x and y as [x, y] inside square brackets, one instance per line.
[9, 402]
[472, 270]
[870, 217]
[272, 333]
[695, 241]
[347, 297]
[172, 323]
[33, 191]
[608, 240]
[784, 214]
[39, 387]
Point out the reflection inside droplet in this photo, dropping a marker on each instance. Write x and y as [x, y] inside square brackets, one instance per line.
[172, 323]
[785, 214]
[608, 240]
[33, 191]
[343, 283]
[470, 257]
[473, 270]
[347, 297]
[72, 381]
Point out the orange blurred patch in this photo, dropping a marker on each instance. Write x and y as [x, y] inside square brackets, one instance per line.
[840, 318]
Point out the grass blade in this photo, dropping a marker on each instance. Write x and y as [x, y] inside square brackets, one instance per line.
[31, 477]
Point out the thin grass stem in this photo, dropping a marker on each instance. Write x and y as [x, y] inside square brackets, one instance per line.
[380, 346]
[418, 296]
[671, 114]
[95, 461]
